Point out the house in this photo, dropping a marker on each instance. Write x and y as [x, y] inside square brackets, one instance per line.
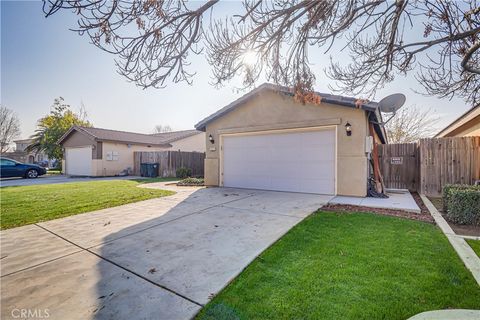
[21, 155]
[104, 152]
[467, 125]
[267, 140]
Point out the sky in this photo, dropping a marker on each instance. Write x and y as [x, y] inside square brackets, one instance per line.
[41, 59]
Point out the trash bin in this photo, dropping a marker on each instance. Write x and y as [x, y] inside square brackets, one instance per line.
[149, 170]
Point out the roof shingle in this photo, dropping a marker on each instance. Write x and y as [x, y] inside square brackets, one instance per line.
[161, 139]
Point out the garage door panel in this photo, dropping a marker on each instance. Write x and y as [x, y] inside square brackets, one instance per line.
[290, 161]
[78, 161]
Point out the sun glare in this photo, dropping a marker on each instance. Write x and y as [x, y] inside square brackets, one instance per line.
[250, 57]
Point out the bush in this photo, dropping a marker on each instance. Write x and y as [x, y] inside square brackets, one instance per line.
[183, 172]
[191, 182]
[462, 204]
[449, 187]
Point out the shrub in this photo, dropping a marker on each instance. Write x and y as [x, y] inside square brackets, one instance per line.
[183, 172]
[462, 204]
[449, 187]
[191, 182]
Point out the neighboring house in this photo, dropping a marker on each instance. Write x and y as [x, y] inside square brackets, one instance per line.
[467, 125]
[187, 140]
[104, 152]
[267, 140]
[27, 157]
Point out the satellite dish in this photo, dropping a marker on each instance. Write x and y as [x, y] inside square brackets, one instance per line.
[391, 103]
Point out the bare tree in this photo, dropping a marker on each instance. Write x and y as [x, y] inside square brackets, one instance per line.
[9, 128]
[162, 129]
[153, 41]
[411, 124]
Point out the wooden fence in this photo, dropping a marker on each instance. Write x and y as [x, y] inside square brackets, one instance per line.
[448, 160]
[399, 165]
[430, 164]
[170, 161]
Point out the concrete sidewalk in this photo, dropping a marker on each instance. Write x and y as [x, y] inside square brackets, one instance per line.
[397, 200]
[464, 251]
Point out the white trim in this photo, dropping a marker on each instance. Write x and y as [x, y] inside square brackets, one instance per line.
[318, 128]
[283, 126]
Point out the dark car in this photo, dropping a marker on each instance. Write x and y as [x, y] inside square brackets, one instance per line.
[11, 168]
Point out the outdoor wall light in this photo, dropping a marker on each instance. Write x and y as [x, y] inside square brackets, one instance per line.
[210, 138]
[348, 129]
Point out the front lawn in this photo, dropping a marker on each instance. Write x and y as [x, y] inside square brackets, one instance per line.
[30, 204]
[350, 266]
[475, 244]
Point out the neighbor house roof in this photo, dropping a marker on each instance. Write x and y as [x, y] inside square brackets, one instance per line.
[176, 135]
[469, 115]
[99, 134]
[325, 97]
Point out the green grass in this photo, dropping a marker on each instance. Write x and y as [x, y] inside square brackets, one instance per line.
[30, 204]
[350, 266]
[52, 172]
[475, 244]
[153, 180]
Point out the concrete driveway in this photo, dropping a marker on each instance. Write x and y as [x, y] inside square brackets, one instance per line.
[52, 179]
[156, 259]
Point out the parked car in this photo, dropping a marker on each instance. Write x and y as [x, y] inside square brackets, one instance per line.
[11, 168]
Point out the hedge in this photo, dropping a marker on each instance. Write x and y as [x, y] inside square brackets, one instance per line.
[462, 204]
[183, 172]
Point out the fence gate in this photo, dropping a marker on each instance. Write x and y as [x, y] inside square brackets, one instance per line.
[430, 164]
[399, 164]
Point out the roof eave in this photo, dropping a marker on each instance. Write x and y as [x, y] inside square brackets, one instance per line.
[161, 145]
[201, 126]
[75, 128]
[457, 122]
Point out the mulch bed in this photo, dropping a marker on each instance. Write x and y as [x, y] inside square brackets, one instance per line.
[465, 230]
[460, 229]
[423, 216]
[420, 204]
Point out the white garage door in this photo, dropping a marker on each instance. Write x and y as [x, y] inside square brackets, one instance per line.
[298, 161]
[78, 161]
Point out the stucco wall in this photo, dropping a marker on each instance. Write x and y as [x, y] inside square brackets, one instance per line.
[189, 144]
[104, 167]
[270, 110]
[469, 129]
[76, 139]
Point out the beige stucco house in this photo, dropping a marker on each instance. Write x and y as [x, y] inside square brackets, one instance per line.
[267, 140]
[104, 152]
[20, 154]
[467, 125]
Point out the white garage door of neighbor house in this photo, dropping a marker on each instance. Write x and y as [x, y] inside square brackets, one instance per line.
[298, 161]
[78, 161]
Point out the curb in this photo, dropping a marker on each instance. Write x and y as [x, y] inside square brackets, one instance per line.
[464, 251]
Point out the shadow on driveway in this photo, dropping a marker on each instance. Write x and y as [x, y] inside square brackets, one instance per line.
[157, 259]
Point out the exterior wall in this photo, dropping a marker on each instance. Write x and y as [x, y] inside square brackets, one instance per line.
[77, 139]
[21, 146]
[192, 143]
[467, 125]
[104, 167]
[469, 129]
[270, 110]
